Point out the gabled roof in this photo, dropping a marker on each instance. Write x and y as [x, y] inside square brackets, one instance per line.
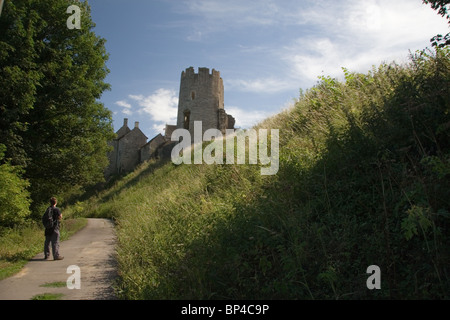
[122, 132]
[159, 134]
[136, 130]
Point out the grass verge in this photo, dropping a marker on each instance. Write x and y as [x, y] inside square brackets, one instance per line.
[48, 296]
[20, 244]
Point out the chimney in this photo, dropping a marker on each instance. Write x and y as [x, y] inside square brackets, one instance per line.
[125, 122]
[136, 124]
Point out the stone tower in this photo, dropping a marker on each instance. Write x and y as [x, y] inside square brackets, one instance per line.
[202, 99]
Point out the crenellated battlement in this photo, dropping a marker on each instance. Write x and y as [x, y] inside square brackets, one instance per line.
[202, 99]
[202, 73]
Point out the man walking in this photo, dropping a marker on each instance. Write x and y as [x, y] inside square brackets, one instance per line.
[52, 233]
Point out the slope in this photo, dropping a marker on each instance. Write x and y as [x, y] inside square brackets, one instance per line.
[363, 180]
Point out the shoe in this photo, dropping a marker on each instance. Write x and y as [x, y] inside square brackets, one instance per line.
[59, 258]
[47, 258]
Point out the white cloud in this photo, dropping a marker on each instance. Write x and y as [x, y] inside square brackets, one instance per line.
[392, 24]
[126, 107]
[136, 97]
[260, 85]
[241, 13]
[123, 103]
[246, 119]
[162, 107]
[217, 15]
[127, 112]
[323, 36]
[359, 34]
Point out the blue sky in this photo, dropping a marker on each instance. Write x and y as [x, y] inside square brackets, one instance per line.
[265, 50]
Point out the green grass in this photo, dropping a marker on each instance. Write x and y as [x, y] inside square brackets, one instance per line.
[8, 268]
[18, 245]
[58, 284]
[48, 296]
[363, 180]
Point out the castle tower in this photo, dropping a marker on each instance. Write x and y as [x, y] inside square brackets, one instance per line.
[202, 99]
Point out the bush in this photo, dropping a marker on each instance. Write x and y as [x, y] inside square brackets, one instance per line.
[14, 196]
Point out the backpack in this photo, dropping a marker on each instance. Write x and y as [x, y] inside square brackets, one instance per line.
[47, 218]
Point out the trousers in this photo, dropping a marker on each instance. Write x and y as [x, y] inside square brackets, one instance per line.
[52, 239]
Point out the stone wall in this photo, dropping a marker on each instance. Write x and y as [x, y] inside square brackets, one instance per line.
[201, 97]
[149, 150]
[126, 150]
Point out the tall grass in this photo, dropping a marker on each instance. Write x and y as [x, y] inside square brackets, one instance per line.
[363, 180]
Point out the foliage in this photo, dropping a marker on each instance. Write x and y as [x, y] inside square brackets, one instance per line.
[442, 7]
[50, 80]
[19, 244]
[363, 180]
[14, 197]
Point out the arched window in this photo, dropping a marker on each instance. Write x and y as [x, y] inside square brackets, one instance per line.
[187, 116]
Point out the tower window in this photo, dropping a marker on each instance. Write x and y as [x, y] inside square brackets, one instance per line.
[193, 95]
[187, 116]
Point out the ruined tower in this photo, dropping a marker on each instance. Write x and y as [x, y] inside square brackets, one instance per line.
[202, 99]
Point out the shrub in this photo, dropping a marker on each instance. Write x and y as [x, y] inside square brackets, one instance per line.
[14, 196]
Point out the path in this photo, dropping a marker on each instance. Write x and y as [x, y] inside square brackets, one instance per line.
[91, 249]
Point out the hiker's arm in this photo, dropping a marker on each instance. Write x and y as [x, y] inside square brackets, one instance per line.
[60, 215]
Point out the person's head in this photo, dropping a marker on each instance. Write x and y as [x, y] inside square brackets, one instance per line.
[53, 201]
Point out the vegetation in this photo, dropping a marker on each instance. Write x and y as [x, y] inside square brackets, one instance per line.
[14, 197]
[363, 180]
[21, 243]
[442, 7]
[51, 123]
[57, 284]
[48, 296]
[53, 131]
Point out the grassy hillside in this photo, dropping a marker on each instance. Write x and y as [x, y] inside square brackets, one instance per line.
[363, 180]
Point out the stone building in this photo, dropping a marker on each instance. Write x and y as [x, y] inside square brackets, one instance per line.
[149, 149]
[131, 148]
[126, 149]
[201, 98]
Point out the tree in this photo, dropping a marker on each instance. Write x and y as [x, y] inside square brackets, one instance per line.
[51, 78]
[14, 196]
[442, 6]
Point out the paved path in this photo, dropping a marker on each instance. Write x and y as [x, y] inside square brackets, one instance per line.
[92, 249]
